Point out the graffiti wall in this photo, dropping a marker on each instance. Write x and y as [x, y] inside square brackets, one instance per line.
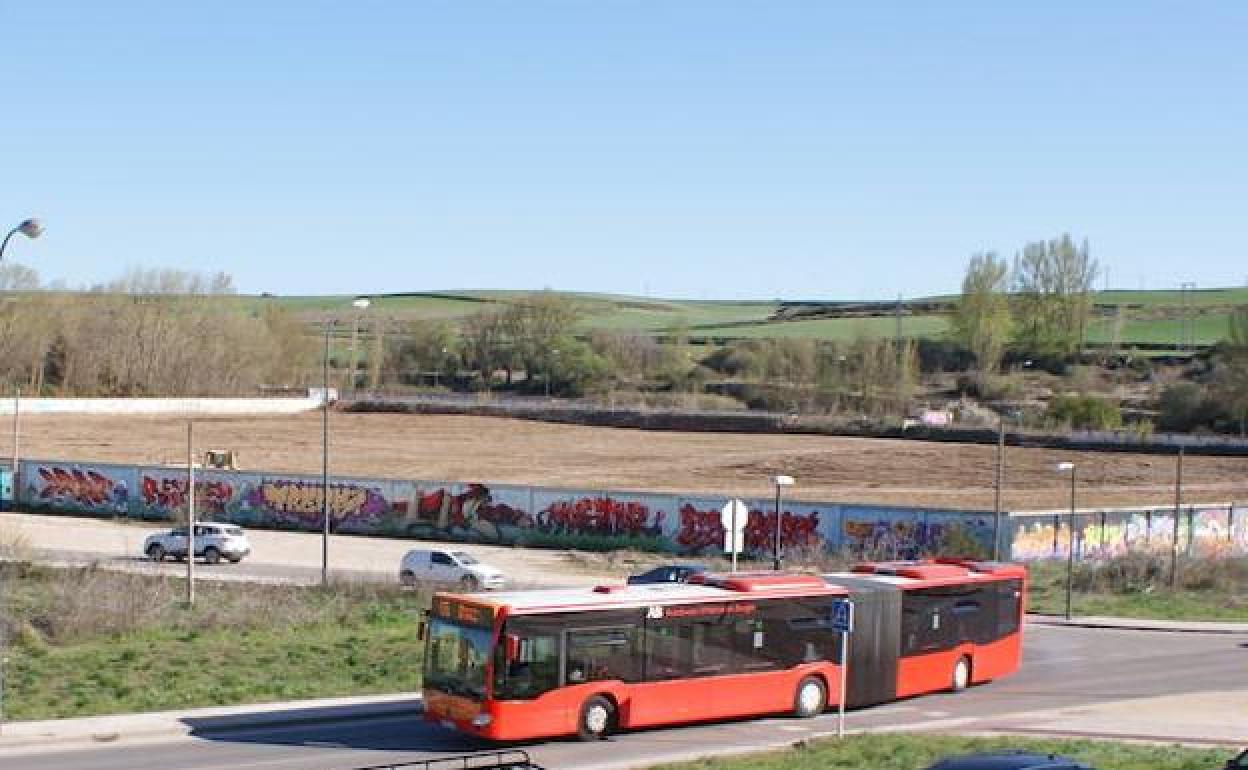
[93, 489]
[605, 519]
[1200, 530]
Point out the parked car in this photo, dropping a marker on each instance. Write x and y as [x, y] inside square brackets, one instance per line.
[458, 567]
[213, 542]
[1008, 760]
[668, 573]
[1238, 763]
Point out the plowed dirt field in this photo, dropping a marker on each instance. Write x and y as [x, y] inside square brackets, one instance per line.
[460, 448]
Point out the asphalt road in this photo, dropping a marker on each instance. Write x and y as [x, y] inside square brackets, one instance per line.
[1063, 668]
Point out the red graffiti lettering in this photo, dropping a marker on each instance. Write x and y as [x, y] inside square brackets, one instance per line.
[601, 515]
[703, 529]
[82, 487]
[170, 493]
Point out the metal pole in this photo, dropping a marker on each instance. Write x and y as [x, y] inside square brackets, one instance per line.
[190, 513]
[325, 463]
[734, 535]
[1178, 501]
[775, 562]
[1070, 555]
[17, 443]
[840, 709]
[996, 501]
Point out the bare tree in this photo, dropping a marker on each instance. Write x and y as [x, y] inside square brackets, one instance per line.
[1053, 294]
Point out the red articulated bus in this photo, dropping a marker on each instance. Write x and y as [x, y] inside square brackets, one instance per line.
[530, 664]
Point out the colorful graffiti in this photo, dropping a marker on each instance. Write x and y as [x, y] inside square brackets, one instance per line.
[77, 489]
[601, 516]
[702, 529]
[476, 512]
[300, 504]
[165, 494]
[471, 512]
[906, 535]
[1202, 530]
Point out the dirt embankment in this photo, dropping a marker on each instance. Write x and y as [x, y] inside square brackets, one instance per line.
[499, 450]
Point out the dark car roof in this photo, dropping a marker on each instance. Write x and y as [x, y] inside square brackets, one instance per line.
[1014, 760]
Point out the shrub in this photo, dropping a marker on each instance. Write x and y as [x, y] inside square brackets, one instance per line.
[1086, 412]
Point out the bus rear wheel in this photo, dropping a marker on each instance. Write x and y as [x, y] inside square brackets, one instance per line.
[961, 678]
[598, 719]
[811, 698]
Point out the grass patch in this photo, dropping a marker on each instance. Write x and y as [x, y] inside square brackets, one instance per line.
[1137, 586]
[87, 641]
[883, 751]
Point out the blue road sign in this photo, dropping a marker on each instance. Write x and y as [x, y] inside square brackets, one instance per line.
[843, 615]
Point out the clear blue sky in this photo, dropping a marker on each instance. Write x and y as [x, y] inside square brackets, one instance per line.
[697, 149]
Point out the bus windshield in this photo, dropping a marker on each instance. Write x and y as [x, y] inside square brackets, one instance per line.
[455, 659]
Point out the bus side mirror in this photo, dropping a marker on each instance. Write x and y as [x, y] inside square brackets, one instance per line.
[512, 648]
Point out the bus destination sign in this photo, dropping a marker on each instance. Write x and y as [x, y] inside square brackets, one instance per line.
[461, 612]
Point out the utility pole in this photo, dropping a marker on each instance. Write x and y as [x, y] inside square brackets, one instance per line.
[1000, 481]
[1178, 502]
[17, 443]
[190, 513]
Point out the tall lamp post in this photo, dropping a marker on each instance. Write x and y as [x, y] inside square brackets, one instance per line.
[778, 482]
[360, 303]
[1070, 546]
[31, 228]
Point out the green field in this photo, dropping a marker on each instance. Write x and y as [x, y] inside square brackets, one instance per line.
[914, 751]
[88, 642]
[1137, 586]
[1148, 317]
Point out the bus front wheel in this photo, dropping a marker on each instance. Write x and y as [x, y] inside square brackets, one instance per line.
[961, 674]
[598, 719]
[811, 698]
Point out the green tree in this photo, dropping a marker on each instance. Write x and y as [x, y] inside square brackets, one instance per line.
[1231, 374]
[982, 320]
[1053, 295]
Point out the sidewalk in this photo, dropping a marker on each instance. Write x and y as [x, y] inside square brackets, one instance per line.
[23, 737]
[1142, 624]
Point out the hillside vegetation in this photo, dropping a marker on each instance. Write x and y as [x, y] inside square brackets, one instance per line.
[1030, 340]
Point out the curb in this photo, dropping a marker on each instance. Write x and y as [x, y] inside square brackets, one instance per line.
[30, 737]
[1140, 624]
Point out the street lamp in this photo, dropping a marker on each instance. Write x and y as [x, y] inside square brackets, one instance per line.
[1070, 546]
[31, 228]
[360, 303]
[778, 482]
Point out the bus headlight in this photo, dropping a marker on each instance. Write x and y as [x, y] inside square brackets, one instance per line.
[482, 720]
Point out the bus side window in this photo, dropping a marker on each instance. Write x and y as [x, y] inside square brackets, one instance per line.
[598, 654]
[533, 672]
[663, 653]
[712, 647]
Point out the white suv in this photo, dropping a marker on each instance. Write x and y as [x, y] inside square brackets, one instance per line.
[456, 567]
[213, 542]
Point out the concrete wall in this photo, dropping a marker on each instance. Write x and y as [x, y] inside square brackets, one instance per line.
[480, 512]
[188, 406]
[602, 519]
[1217, 528]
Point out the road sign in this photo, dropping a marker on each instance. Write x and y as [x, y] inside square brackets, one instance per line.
[843, 616]
[734, 541]
[734, 515]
